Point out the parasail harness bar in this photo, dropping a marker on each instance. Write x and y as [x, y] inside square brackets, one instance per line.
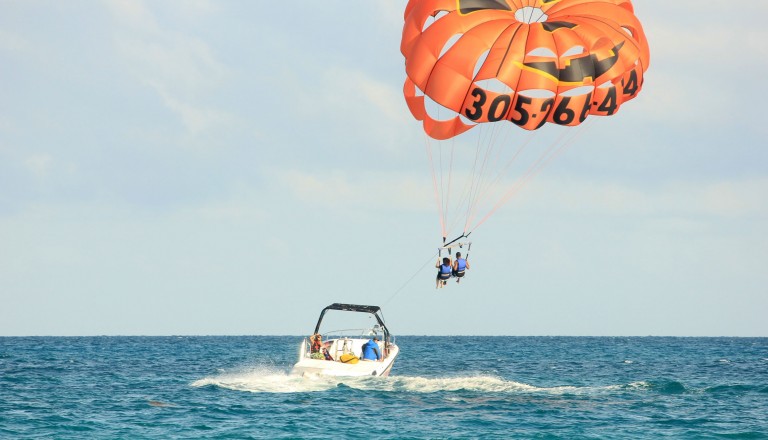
[453, 244]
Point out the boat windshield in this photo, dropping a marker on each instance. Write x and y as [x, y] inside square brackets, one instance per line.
[338, 324]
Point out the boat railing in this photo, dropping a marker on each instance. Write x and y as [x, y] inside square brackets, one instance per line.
[345, 341]
[350, 332]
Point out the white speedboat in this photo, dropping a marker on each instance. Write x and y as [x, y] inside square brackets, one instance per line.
[340, 352]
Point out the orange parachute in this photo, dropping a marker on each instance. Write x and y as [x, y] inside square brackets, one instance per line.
[528, 62]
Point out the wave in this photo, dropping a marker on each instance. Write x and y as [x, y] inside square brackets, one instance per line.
[266, 380]
[270, 380]
[668, 387]
[489, 384]
[732, 389]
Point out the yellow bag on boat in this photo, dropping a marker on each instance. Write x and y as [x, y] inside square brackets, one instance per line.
[348, 358]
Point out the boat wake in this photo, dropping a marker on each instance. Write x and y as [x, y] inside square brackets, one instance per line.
[266, 380]
[271, 380]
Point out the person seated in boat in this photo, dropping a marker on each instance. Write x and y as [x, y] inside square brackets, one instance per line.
[460, 265]
[317, 343]
[444, 271]
[327, 355]
[371, 350]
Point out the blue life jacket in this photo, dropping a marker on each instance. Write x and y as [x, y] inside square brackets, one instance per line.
[462, 264]
[371, 350]
[445, 268]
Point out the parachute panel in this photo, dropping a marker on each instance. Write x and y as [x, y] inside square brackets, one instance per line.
[546, 47]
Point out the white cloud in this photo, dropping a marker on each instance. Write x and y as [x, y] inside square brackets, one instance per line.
[181, 64]
[39, 165]
[180, 67]
[5, 125]
[377, 191]
[12, 42]
[197, 119]
[195, 10]
[239, 209]
[668, 96]
[116, 224]
[701, 68]
[373, 109]
[725, 199]
[384, 97]
[390, 11]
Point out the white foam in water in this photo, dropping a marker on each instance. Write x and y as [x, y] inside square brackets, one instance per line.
[639, 385]
[270, 380]
[471, 383]
[267, 380]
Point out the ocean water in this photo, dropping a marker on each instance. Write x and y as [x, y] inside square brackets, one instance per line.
[440, 388]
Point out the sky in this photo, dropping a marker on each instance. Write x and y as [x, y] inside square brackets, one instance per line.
[231, 168]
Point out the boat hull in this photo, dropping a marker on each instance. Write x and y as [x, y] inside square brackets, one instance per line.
[318, 367]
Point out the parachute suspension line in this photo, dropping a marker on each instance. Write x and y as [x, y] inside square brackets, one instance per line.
[580, 130]
[442, 182]
[443, 193]
[522, 180]
[504, 171]
[496, 207]
[447, 192]
[466, 190]
[438, 202]
[469, 182]
[485, 182]
[553, 151]
[486, 142]
[410, 279]
[477, 176]
[446, 184]
[484, 177]
[465, 194]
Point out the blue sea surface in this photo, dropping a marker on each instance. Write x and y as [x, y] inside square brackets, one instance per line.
[239, 387]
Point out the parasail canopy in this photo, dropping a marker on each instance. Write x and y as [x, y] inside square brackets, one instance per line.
[525, 62]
